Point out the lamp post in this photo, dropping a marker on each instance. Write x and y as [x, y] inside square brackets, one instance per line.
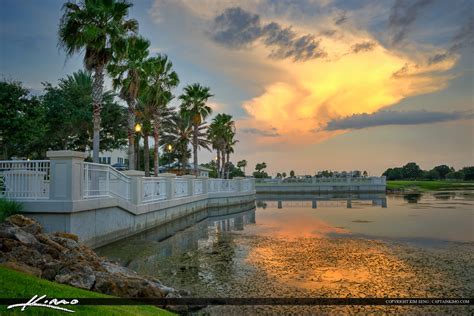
[138, 130]
[169, 147]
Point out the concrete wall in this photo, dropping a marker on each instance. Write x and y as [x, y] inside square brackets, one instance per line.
[99, 222]
[102, 205]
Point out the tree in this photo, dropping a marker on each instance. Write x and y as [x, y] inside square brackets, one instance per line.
[455, 175]
[259, 170]
[99, 28]
[68, 109]
[221, 130]
[433, 174]
[278, 175]
[22, 123]
[242, 164]
[284, 175]
[194, 101]
[179, 131]
[443, 170]
[365, 174]
[468, 173]
[411, 171]
[128, 72]
[292, 174]
[157, 95]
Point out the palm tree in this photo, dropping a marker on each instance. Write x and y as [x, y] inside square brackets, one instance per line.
[178, 131]
[194, 103]
[99, 28]
[160, 80]
[222, 125]
[242, 164]
[229, 150]
[128, 69]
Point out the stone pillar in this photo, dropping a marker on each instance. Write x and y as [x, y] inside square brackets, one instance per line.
[170, 183]
[136, 185]
[190, 179]
[205, 184]
[66, 175]
[239, 183]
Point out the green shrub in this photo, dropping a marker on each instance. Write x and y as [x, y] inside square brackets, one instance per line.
[8, 208]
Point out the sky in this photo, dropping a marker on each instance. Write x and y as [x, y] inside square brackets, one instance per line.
[311, 84]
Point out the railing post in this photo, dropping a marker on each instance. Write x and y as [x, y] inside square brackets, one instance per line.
[66, 175]
[136, 185]
[239, 183]
[190, 179]
[205, 184]
[170, 184]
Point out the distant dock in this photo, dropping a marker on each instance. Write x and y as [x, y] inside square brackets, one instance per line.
[322, 185]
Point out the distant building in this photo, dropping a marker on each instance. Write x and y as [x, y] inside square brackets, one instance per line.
[176, 168]
[116, 157]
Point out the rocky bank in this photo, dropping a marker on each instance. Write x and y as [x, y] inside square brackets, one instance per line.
[59, 257]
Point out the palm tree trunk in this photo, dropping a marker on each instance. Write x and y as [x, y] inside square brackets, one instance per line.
[146, 153]
[218, 162]
[97, 89]
[156, 138]
[223, 164]
[195, 149]
[131, 135]
[228, 165]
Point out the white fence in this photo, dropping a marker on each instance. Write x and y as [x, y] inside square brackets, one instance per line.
[154, 189]
[104, 181]
[30, 180]
[24, 180]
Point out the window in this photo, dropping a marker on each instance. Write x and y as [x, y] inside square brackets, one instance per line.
[109, 160]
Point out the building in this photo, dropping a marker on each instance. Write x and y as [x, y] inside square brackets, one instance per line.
[186, 169]
[116, 157]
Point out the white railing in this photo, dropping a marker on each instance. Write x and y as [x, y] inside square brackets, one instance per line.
[105, 181]
[198, 187]
[181, 187]
[24, 180]
[154, 189]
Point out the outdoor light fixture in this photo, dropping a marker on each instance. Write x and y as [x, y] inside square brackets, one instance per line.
[169, 147]
[138, 128]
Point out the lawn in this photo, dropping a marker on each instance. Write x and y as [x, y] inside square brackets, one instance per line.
[14, 284]
[429, 185]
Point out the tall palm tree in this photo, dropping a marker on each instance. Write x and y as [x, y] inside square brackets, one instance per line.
[128, 69]
[157, 95]
[230, 150]
[194, 103]
[99, 28]
[221, 127]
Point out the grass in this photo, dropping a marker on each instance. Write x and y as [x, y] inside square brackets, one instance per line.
[429, 185]
[8, 208]
[15, 284]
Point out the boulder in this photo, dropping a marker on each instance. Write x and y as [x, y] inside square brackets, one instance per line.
[67, 235]
[79, 275]
[65, 242]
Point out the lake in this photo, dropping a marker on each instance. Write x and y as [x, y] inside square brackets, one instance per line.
[398, 245]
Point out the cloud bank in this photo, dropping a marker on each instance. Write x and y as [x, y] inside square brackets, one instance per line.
[384, 117]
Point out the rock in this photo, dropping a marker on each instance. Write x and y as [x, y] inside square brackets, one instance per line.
[21, 221]
[21, 267]
[7, 244]
[65, 242]
[67, 235]
[24, 237]
[79, 275]
[50, 270]
[115, 268]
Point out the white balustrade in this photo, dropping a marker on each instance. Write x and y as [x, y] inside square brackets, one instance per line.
[181, 187]
[30, 180]
[154, 189]
[104, 181]
[24, 179]
[198, 187]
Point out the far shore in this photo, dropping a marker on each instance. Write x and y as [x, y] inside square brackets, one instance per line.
[427, 185]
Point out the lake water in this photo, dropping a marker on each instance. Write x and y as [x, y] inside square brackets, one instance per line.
[359, 245]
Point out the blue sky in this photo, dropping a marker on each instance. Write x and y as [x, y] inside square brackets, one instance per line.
[292, 71]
